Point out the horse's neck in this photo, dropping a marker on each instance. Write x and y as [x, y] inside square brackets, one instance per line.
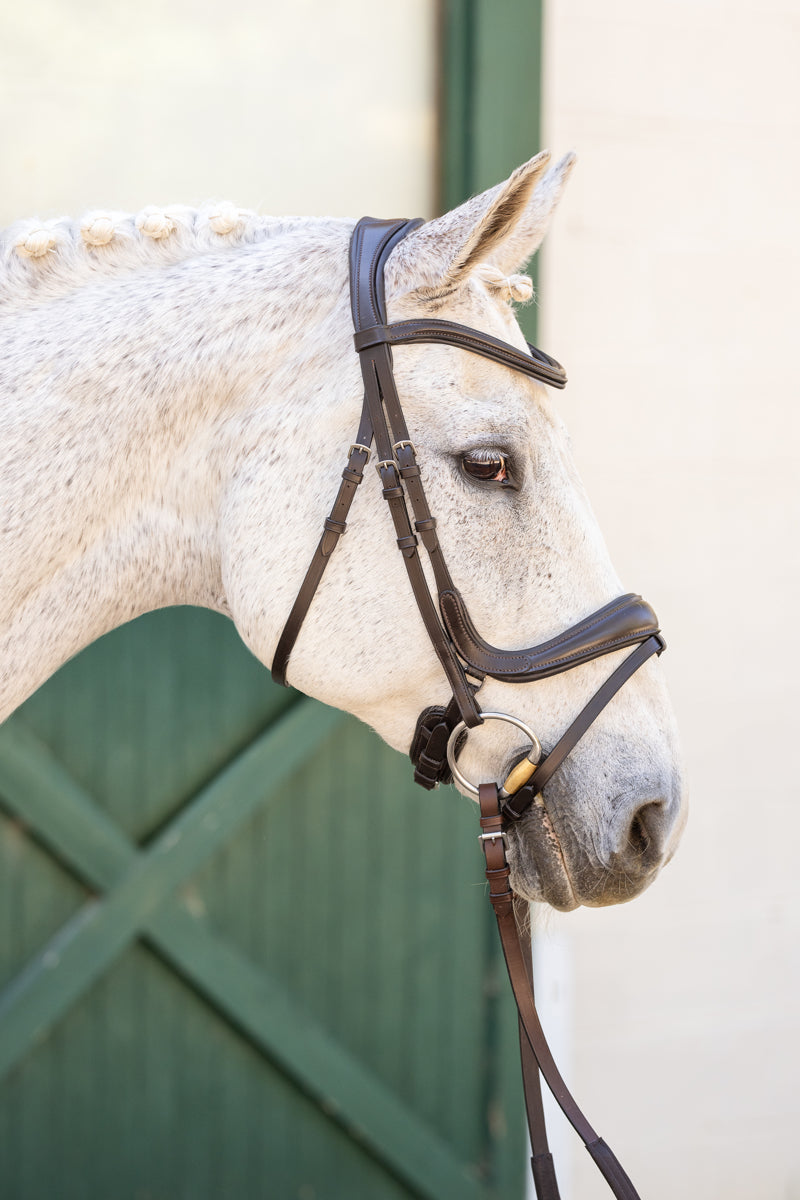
[121, 423]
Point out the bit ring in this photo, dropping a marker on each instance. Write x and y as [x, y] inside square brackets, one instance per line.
[533, 755]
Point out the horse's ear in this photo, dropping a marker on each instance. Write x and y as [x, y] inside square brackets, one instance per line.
[503, 226]
[526, 236]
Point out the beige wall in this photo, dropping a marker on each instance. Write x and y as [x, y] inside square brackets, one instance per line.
[670, 292]
[281, 107]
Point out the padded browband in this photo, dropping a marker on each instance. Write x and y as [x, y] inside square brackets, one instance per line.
[536, 364]
[624, 622]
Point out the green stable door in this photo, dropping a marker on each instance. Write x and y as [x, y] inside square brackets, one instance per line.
[225, 976]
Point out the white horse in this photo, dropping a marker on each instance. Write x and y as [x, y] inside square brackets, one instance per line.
[177, 394]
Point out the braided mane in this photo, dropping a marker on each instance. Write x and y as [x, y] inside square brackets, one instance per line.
[43, 260]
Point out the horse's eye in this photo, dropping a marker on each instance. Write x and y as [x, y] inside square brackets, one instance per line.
[487, 466]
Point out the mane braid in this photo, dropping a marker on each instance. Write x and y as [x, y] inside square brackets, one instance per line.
[44, 260]
[510, 287]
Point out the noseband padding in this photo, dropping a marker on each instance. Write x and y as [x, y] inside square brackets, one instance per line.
[624, 622]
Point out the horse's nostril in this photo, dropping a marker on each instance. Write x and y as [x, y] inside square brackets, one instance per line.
[638, 839]
[644, 834]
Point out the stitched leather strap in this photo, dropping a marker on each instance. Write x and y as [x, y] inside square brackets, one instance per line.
[367, 303]
[624, 622]
[536, 363]
[502, 901]
[517, 804]
[428, 750]
[372, 242]
[370, 246]
[335, 526]
[542, 1165]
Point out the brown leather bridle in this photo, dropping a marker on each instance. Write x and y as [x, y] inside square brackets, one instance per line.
[465, 657]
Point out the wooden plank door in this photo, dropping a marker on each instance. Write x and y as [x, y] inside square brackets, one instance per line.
[224, 976]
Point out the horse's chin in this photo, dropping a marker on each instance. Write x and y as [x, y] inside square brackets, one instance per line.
[538, 870]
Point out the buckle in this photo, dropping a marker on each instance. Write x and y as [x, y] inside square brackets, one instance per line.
[358, 446]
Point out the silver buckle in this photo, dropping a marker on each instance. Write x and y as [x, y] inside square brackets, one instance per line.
[358, 446]
[491, 837]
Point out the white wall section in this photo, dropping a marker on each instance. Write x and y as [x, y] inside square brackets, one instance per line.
[284, 108]
[670, 292]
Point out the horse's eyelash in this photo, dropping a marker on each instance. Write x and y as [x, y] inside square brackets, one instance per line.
[486, 454]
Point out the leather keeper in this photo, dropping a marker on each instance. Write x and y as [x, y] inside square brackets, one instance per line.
[524, 798]
[612, 1170]
[392, 493]
[502, 872]
[352, 476]
[374, 335]
[544, 1177]
[338, 527]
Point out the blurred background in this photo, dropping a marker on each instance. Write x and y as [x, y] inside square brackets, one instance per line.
[198, 999]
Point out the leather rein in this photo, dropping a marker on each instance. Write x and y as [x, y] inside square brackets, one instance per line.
[464, 655]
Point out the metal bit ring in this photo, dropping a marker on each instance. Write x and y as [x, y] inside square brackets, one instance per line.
[532, 757]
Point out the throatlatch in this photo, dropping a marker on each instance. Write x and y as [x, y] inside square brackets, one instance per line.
[466, 658]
